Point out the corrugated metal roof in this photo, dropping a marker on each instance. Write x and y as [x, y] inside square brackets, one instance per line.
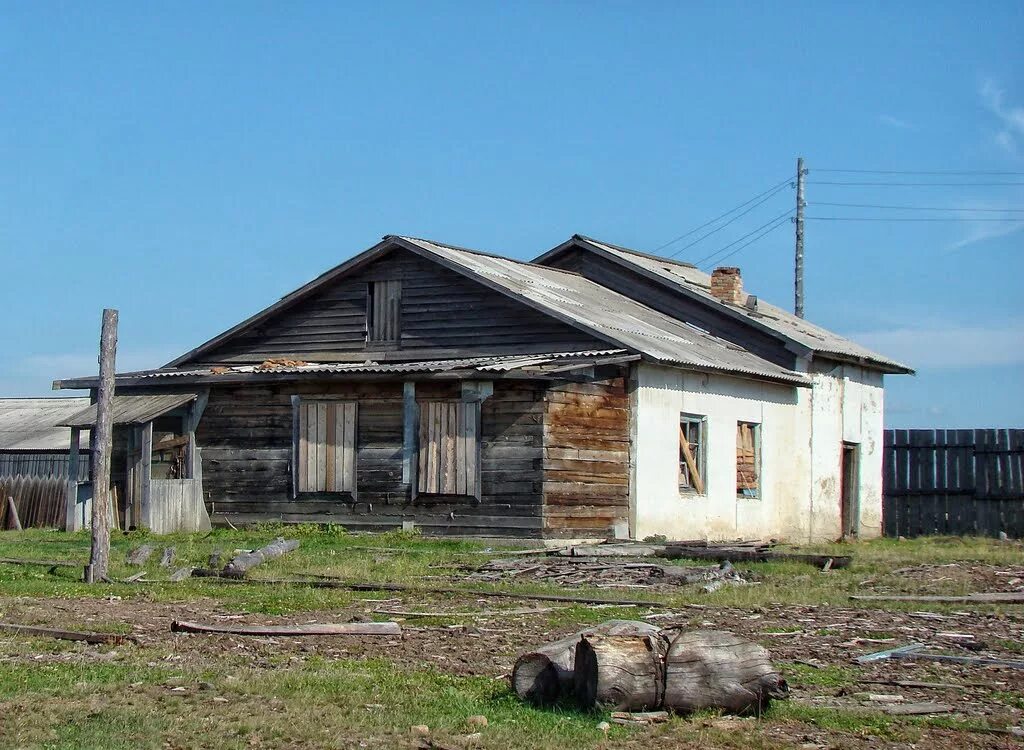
[690, 279]
[33, 424]
[613, 315]
[498, 363]
[132, 409]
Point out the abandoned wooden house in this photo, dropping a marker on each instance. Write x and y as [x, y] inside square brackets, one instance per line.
[596, 391]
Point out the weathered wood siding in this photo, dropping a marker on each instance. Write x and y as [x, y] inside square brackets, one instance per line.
[246, 439]
[665, 300]
[442, 314]
[586, 458]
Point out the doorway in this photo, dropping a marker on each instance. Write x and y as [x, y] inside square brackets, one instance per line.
[849, 492]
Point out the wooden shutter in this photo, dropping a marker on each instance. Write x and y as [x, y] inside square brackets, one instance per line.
[326, 460]
[449, 448]
[384, 311]
[746, 459]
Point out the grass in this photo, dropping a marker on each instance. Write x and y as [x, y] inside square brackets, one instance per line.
[58, 695]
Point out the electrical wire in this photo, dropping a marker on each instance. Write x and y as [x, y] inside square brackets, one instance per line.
[919, 184]
[1005, 220]
[740, 239]
[769, 193]
[750, 242]
[934, 172]
[922, 208]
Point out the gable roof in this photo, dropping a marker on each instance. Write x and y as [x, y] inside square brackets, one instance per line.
[687, 279]
[31, 424]
[563, 295]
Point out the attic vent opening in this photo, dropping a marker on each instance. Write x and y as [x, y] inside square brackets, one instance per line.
[383, 312]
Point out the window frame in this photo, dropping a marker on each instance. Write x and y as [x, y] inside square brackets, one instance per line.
[756, 492]
[423, 456]
[700, 488]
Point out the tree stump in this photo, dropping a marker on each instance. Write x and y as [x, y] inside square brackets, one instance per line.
[715, 669]
[545, 673]
[626, 673]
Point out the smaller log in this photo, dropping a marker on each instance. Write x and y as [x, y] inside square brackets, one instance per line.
[246, 561]
[738, 554]
[544, 674]
[181, 574]
[44, 563]
[626, 673]
[719, 670]
[139, 555]
[348, 628]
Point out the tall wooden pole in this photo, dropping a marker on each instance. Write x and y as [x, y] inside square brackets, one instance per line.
[99, 559]
[798, 288]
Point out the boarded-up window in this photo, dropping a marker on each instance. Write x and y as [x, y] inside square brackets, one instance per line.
[326, 451]
[691, 453]
[449, 448]
[748, 463]
[383, 311]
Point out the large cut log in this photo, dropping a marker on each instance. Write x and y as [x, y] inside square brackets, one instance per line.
[625, 673]
[715, 669]
[244, 562]
[345, 628]
[544, 674]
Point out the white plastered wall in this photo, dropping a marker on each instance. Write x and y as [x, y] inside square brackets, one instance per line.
[802, 431]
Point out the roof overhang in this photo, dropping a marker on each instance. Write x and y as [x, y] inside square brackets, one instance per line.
[133, 409]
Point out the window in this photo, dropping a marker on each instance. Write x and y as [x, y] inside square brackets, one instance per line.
[748, 459]
[383, 312]
[449, 448]
[691, 453]
[325, 450]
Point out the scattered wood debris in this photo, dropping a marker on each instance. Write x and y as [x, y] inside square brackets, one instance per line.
[65, 635]
[246, 561]
[913, 651]
[347, 628]
[274, 364]
[995, 597]
[167, 558]
[139, 555]
[43, 563]
[604, 573]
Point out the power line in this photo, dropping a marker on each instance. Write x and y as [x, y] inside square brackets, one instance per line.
[755, 239]
[723, 226]
[920, 184]
[1006, 220]
[740, 239]
[922, 208]
[934, 172]
[769, 192]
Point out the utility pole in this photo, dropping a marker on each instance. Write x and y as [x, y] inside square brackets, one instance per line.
[798, 306]
[99, 558]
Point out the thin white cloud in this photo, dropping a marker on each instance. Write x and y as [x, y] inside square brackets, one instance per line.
[1010, 117]
[895, 122]
[949, 346]
[975, 231]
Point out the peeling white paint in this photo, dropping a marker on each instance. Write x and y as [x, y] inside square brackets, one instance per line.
[802, 433]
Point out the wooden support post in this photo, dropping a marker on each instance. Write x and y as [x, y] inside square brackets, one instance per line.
[410, 412]
[72, 521]
[145, 475]
[99, 559]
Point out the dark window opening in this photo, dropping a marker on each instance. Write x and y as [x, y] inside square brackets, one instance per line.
[383, 312]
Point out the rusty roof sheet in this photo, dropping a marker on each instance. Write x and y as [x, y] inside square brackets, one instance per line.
[34, 424]
[608, 313]
[132, 409]
[690, 279]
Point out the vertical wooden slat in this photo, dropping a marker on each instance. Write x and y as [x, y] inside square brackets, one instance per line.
[461, 445]
[422, 455]
[321, 446]
[473, 474]
[350, 446]
[451, 431]
[435, 446]
[332, 446]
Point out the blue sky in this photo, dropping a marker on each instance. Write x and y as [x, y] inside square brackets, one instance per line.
[189, 163]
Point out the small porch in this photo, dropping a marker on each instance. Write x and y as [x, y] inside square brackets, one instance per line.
[156, 478]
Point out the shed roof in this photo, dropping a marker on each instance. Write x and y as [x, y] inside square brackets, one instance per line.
[132, 409]
[34, 424]
[688, 279]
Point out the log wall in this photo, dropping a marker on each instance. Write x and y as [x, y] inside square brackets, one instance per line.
[586, 458]
[246, 439]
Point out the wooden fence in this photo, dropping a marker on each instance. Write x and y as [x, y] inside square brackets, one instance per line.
[953, 482]
[41, 501]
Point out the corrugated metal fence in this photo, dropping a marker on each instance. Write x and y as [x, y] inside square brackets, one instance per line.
[40, 501]
[953, 482]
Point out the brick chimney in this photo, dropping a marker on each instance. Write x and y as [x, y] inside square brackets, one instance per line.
[727, 285]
